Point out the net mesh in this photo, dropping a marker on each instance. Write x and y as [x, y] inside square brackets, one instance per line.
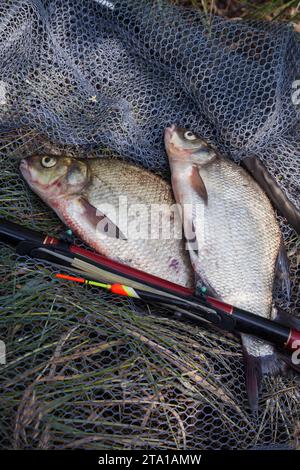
[86, 370]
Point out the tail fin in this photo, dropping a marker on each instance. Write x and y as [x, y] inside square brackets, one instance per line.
[253, 373]
[268, 361]
[255, 368]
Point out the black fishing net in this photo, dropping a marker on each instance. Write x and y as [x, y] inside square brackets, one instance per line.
[98, 77]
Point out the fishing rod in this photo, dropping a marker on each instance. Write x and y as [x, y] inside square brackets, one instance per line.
[121, 279]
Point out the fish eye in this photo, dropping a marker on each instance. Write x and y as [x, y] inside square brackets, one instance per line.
[189, 136]
[48, 162]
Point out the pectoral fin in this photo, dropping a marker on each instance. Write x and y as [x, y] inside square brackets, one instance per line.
[197, 184]
[99, 221]
[256, 367]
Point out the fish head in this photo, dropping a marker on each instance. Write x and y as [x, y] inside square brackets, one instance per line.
[52, 176]
[185, 147]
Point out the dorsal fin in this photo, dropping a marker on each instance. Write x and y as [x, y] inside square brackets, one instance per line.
[275, 193]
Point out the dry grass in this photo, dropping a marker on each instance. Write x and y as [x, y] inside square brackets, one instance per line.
[269, 10]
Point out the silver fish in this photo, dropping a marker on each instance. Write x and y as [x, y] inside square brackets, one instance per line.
[234, 239]
[86, 194]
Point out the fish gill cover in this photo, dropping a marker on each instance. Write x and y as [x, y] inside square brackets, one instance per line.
[102, 77]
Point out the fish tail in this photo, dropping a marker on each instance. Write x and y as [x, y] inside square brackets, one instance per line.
[262, 359]
[257, 366]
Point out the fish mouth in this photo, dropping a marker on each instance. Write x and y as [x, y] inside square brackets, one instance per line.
[175, 153]
[26, 172]
[169, 133]
[24, 168]
[23, 163]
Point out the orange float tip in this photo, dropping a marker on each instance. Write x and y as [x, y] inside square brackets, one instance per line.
[70, 278]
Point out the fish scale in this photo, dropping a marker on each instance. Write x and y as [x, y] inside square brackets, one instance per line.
[244, 228]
